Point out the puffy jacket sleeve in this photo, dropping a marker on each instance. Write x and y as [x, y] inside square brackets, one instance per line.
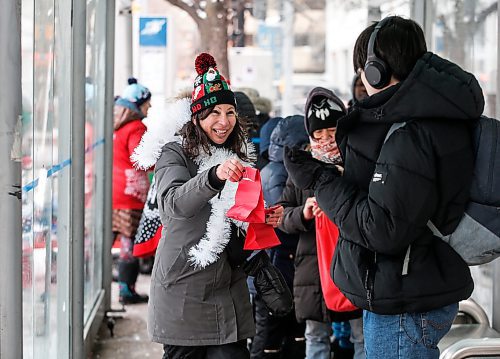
[293, 220]
[273, 177]
[179, 195]
[401, 197]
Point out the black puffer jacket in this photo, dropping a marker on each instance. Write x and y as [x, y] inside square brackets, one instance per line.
[288, 132]
[389, 191]
[307, 295]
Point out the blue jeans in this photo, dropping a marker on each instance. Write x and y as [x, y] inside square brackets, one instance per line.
[407, 335]
[318, 339]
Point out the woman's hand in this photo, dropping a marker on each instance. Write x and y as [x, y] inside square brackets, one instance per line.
[231, 170]
[274, 216]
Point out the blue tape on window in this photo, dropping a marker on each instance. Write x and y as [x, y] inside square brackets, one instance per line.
[56, 168]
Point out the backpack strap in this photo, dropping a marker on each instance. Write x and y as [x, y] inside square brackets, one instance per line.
[435, 230]
[394, 127]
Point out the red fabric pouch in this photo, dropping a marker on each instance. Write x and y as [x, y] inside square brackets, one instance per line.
[249, 207]
[327, 235]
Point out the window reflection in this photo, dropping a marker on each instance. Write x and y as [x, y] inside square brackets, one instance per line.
[465, 32]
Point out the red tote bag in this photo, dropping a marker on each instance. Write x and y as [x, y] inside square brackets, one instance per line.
[249, 207]
[327, 235]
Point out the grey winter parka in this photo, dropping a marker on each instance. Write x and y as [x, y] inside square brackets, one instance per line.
[192, 306]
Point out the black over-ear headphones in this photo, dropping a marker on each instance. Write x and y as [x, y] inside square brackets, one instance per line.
[377, 72]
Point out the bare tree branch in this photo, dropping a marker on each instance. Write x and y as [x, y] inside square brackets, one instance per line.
[191, 10]
[486, 12]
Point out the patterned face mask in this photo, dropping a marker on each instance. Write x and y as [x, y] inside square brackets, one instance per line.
[325, 151]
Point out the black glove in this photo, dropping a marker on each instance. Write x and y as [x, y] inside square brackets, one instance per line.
[270, 284]
[303, 169]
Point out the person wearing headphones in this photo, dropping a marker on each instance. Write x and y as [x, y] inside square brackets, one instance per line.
[408, 159]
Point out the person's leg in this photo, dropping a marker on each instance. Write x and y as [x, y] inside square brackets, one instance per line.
[261, 329]
[183, 352]
[269, 333]
[128, 270]
[357, 338]
[408, 335]
[294, 343]
[318, 339]
[236, 350]
[342, 347]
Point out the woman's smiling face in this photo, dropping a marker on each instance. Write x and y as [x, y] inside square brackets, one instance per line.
[219, 124]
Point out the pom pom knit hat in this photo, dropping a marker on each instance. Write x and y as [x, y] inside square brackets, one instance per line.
[136, 92]
[210, 87]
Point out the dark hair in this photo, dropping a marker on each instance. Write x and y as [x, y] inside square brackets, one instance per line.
[400, 43]
[194, 138]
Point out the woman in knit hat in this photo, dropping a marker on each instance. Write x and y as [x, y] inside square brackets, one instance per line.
[130, 187]
[199, 306]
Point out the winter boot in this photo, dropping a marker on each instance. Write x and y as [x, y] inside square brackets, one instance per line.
[128, 295]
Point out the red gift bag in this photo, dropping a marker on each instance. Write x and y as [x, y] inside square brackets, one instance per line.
[249, 207]
[327, 235]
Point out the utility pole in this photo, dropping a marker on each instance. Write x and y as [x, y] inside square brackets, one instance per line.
[123, 44]
[287, 59]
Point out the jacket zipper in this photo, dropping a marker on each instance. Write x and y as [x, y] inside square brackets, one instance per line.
[369, 283]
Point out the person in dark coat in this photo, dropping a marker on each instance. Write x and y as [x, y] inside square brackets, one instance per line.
[279, 337]
[265, 141]
[246, 110]
[358, 91]
[387, 260]
[255, 109]
[322, 111]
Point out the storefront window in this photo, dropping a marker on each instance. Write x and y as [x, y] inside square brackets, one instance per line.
[46, 166]
[40, 159]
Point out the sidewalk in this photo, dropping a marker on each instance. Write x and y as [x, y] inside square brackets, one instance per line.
[130, 333]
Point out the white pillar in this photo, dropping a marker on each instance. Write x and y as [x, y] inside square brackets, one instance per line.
[77, 171]
[287, 59]
[11, 321]
[123, 45]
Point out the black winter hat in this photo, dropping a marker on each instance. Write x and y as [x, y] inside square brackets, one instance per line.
[244, 106]
[323, 109]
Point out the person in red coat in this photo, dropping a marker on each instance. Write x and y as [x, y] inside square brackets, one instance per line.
[130, 186]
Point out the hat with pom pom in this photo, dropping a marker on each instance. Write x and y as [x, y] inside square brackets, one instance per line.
[135, 92]
[210, 87]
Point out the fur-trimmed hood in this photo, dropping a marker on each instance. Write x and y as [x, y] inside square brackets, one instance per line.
[159, 133]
